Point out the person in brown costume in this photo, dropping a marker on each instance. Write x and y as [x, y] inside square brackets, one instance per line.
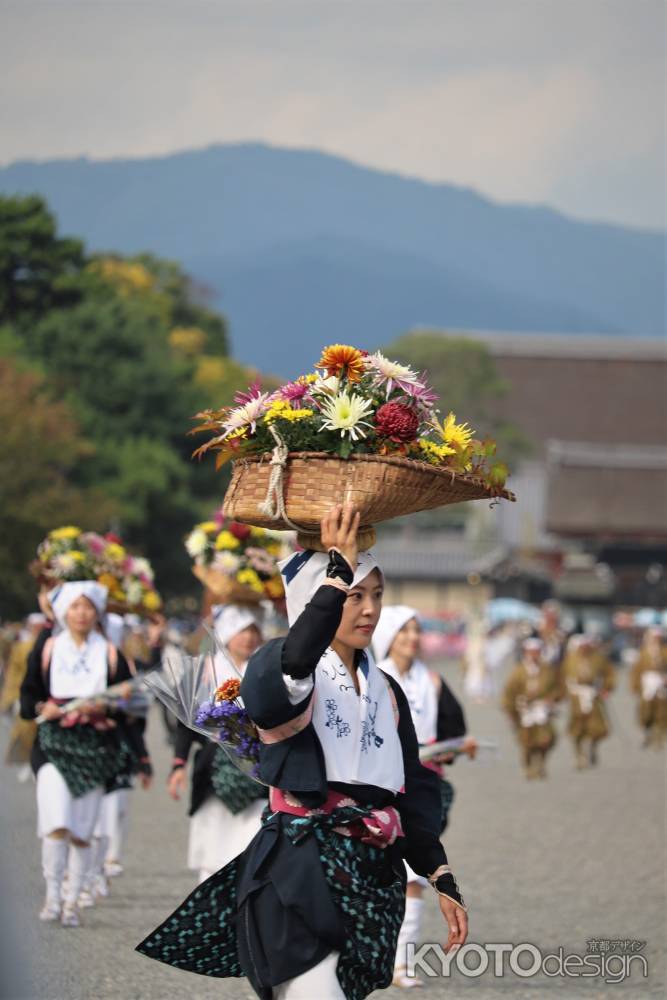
[528, 698]
[589, 679]
[648, 679]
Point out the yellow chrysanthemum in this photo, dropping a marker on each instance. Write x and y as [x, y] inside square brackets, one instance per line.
[250, 578]
[115, 552]
[77, 555]
[435, 453]
[208, 526]
[152, 601]
[458, 436]
[108, 580]
[341, 359]
[60, 534]
[226, 540]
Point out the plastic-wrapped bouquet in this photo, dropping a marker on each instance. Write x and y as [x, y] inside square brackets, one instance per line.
[203, 692]
[235, 561]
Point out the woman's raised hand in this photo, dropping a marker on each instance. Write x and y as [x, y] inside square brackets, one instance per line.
[338, 530]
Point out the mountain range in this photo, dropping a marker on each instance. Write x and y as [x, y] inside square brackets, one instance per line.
[299, 248]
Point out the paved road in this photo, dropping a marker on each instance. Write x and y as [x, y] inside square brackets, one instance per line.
[554, 863]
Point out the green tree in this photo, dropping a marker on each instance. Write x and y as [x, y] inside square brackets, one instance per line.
[38, 270]
[40, 446]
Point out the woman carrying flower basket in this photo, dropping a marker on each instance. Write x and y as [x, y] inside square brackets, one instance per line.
[225, 804]
[314, 905]
[76, 753]
[437, 716]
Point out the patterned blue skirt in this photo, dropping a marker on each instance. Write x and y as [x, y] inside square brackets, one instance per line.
[211, 932]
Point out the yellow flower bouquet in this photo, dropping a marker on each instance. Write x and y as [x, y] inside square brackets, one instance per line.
[68, 553]
[236, 562]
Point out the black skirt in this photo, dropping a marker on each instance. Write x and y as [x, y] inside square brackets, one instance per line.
[298, 892]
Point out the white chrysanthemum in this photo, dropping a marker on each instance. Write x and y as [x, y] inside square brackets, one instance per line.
[392, 373]
[226, 562]
[246, 415]
[345, 413]
[196, 542]
[142, 567]
[64, 563]
[133, 590]
[325, 386]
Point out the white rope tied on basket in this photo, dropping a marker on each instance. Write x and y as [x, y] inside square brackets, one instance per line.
[274, 501]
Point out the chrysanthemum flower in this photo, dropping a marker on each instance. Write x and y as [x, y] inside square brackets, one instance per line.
[245, 416]
[295, 392]
[458, 436]
[345, 413]
[391, 373]
[341, 359]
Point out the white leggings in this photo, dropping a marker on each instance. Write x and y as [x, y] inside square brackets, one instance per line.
[319, 982]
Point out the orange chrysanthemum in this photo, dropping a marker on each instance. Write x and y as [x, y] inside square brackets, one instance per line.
[228, 691]
[340, 359]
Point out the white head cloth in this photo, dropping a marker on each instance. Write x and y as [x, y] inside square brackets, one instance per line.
[304, 572]
[357, 732]
[230, 619]
[114, 628]
[392, 620]
[64, 596]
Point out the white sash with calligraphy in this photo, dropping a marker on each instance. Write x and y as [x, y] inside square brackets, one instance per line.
[357, 731]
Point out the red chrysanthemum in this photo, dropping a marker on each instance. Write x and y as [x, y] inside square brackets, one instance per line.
[397, 422]
[238, 530]
[111, 537]
[228, 691]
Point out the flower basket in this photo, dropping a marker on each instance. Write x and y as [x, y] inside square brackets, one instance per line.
[224, 588]
[311, 483]
[68, 554]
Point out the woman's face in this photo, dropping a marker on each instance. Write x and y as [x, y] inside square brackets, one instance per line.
[406, 643]
[244, 643]
[361, 612]
[81, 616]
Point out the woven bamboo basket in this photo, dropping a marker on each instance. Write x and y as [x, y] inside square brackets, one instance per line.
[313, 482]
[224, 589]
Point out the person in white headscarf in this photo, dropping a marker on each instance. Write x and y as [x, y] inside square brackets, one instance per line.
[74, 754]
[313, 906]
[225, 805]
[113, 818]
[437, 715]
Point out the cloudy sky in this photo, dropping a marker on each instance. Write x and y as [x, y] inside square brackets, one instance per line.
[554, 101]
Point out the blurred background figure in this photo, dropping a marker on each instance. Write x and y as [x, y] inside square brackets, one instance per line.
[22, 735]
[529, 697]
[648, 680]
[589, 679]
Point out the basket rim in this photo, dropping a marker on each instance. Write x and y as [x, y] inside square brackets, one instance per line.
[384, 460]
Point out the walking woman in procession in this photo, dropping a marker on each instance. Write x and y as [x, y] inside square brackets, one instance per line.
[75, 754]
[313, 906]
[225, 805]
[437, 715]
